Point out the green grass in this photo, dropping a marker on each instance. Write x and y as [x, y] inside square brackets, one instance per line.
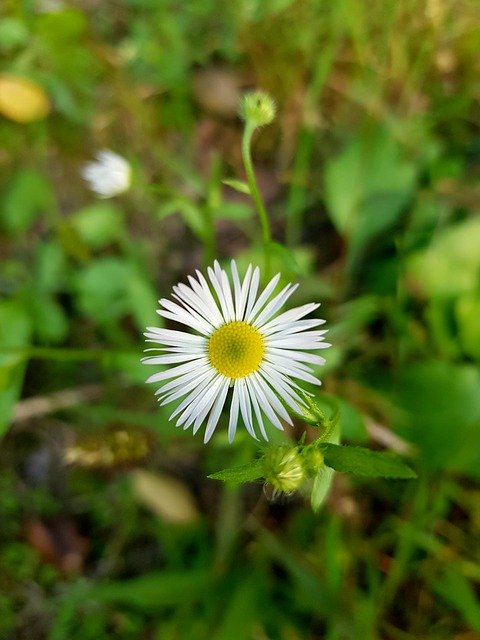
[370, 177]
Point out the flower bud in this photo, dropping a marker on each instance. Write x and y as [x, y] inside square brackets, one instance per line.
[283, 469]
[257, 108]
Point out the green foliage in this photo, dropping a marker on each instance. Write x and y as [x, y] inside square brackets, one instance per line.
[15, 331]
[239, 475]
[28, 194]
[370, 176]
[367, 187]
[441, 414]
[364, 462]
[154, 591]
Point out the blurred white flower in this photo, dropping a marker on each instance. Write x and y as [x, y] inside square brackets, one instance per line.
[239, 341]
[109, 175]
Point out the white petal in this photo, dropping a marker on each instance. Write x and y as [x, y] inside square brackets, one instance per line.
[274, 305]
[190, 318]
[203, 403]
[185, 379]
[174, 358]
[252, 291]
[219, 291]
[196, 303]
[168, 336]
[196, 401]
[173, 372]
[245, 407]
[291, 315]
[216, 411]
[287, 394]
[272, 398]
[266, 407]
[296, 342]
[233, 420]
[293, 327]
[227, 293]
[189, 402]
[256, 408]
[264, 296]
[271, 353]
[184, 388]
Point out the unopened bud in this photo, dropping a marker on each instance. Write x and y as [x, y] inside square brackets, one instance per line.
[283, 469]
[257, 108]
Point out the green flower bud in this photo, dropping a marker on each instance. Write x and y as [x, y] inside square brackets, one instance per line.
[283, 469]
[257, 108]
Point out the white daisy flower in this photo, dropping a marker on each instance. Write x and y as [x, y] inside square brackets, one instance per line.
[238, 341]
[109, 175]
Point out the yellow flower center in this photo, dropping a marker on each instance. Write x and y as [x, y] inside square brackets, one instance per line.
[236, 349]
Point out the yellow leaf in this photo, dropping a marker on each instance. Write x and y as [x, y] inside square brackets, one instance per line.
[22, 100]
[165, 496]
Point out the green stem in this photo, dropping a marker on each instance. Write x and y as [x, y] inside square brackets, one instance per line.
[255, 193]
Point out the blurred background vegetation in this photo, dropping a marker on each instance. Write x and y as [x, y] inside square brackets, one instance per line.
[371, 174]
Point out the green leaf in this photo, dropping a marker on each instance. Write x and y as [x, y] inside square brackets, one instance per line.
[460, 594]
[155, 590]
[365, 462]
[98, 224]
[467, 313]
[28, 194]
[287, 258]
[15, 330]
[189, 211]
[50, 267]
[101, 288]
[50, 320]
[239, 475]
[441, 414]
[238, 185]
[450, 265]
[233, 211]
[143, 300]
[240, 614]
[13, 33]
[367, 186]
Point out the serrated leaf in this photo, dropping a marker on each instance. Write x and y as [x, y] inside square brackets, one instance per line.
[238, 185]
[365, 462]
[239, 475]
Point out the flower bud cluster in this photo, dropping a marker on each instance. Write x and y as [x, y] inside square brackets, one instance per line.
[286, 467]
[257, 108]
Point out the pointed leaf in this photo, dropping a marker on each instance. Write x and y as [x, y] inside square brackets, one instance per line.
[365, 462]
[239, 475]
[238, 185]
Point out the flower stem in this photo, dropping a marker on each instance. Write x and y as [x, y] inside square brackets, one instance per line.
[255, 193]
